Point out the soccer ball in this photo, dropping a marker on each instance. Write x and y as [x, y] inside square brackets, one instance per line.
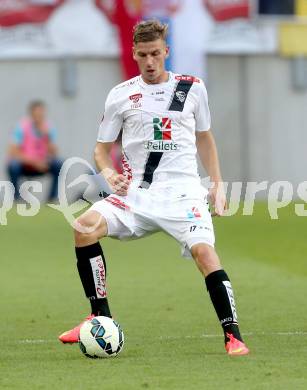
[101, 337]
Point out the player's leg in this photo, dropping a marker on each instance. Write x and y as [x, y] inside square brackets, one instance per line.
[101, 220]
[111, 217]
[54, 169]
[14, 170]
[91, 264]
[221, 294]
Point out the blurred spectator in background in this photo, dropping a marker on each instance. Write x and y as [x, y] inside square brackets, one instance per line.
[32, 151]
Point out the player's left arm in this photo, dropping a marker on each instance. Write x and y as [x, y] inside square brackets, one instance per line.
[208, 155]
[207, 150]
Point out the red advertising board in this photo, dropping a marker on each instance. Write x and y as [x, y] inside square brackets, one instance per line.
[222, 10]
[13, 12]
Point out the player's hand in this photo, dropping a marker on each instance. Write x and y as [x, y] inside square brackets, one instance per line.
[118, 182]
[217, 199]
[40, 166]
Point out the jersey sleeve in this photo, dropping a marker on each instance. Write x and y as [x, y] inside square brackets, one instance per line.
[52, 135]
[17, 136]
[202, 112]
[112, 121]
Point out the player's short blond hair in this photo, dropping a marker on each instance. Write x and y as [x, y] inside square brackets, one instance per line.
[149, 30]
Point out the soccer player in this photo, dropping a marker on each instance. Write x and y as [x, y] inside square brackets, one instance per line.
[165, 121]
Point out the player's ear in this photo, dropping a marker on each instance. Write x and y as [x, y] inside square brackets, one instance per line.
[133, 53]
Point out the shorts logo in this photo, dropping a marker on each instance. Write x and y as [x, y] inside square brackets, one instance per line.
[194, 213]
[99, 275]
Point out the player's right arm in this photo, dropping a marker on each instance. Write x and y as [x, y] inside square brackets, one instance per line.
[119, 183]
[109, 129]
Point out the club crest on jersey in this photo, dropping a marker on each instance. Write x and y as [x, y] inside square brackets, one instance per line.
[181, 96]
[136, 100]
[162, 140]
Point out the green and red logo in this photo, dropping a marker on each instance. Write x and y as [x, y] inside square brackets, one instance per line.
[162, 129]
[162, 141]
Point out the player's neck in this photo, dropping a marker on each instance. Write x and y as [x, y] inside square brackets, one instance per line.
[163, 78]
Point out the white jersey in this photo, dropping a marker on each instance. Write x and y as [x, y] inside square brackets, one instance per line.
[158, 123]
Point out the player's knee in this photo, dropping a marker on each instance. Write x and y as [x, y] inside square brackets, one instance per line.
[89, 228]
[201, 251]
[206, 258]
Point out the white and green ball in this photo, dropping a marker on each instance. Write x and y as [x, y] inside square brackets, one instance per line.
[101, 337]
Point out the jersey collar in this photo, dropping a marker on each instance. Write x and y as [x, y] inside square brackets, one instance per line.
[165, 83]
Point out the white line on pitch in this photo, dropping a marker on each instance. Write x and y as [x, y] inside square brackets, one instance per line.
[296, 333]
[35, 341]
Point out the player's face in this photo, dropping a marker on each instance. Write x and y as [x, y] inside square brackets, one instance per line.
[150, 57]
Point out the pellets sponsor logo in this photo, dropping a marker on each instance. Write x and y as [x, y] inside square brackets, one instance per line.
[99, 275]
[162, 128]
[162, 141]
[161, 146]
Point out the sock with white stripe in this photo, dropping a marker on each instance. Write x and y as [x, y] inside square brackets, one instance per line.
[222, 297]
[92, 271]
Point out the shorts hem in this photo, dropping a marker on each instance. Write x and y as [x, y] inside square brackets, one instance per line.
[104, 215]
[186, 251]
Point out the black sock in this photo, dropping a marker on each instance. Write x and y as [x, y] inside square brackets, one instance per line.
[92, 270]
[222, 297]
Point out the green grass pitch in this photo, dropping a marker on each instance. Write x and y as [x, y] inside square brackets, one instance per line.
[173, 339]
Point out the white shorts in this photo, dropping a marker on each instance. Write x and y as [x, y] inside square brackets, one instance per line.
[182, 215]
